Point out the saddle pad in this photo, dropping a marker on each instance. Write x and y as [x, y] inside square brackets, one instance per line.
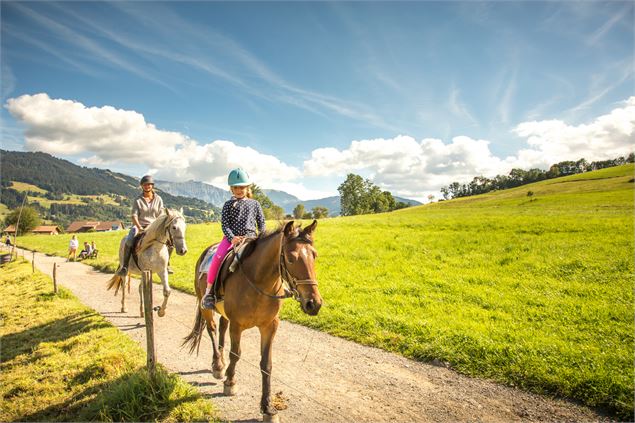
[207, 260]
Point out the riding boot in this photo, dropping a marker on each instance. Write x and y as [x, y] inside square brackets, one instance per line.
[209, 299]
[127, 252]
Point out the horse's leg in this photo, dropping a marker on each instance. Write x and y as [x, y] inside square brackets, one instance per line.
[235, 331]
[223, 324]
[267, 333]
[123, 294]
[163, 275]
[140, 297]
[217, 364]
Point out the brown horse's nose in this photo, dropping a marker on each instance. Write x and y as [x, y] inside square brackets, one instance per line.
[312, 307]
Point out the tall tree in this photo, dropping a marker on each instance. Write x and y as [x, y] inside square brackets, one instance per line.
[353, 199]
[298, 211]
[320, 212]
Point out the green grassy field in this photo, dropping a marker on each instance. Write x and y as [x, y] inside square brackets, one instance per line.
[62, 362]
[535, 292]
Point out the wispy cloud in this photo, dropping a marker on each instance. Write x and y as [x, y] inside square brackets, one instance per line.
[279, 89]
[91, 47]
[598, 34]
[458, 108]
[50, 49]
[506, 98]
[603, 84]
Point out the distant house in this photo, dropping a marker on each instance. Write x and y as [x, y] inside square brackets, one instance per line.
[9, 230]
[114, 225]
[47, 230]
[43, 230]
[94, 226]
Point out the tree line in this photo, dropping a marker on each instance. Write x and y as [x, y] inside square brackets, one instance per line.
[361, 196]
[518, 177]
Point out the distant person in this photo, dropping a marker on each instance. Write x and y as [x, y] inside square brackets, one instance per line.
[73, 245]
[145, 209]
[7, 241]
[239, 219]
[93, 247]
[85, 253]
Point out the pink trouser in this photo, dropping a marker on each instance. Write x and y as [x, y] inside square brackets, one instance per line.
[220, 254]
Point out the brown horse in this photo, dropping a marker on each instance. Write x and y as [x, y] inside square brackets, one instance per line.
[253, 297]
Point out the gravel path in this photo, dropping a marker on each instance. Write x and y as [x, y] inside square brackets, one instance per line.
[317, 377]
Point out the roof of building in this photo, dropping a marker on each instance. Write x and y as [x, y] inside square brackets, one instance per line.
[97, 226]
[47, 228]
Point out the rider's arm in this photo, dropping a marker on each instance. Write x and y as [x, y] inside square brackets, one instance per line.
[260, 218]
[135, 221]
[135, 214]
[225, 220]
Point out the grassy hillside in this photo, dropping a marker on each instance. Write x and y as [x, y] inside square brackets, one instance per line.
[62, 362]
[533, 291]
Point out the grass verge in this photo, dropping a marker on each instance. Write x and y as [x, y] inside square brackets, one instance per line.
[60, 361]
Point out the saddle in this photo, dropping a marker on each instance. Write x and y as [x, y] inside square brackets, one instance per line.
[229, 265]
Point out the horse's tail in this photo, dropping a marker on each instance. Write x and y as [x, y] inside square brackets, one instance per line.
[114, 282]
[193, 340]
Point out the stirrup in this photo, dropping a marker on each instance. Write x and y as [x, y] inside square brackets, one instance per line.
[208, 302]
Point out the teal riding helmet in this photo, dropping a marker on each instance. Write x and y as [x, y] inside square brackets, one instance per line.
[238, 178]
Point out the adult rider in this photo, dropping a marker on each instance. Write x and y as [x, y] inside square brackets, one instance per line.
[145, 209]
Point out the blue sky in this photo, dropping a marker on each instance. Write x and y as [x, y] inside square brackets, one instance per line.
[413, 95]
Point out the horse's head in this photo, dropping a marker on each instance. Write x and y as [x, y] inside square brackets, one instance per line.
[298, 266]
[176, 230]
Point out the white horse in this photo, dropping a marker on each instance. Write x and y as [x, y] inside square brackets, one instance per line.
[152, 255]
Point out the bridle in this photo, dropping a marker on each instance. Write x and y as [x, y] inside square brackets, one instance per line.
[291, 280]
[170, 238]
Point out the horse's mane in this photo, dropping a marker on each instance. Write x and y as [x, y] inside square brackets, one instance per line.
[158, 227]
[297, 235]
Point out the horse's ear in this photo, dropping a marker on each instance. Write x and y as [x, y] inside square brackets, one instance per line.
[288, 229]
[309, 229]
[181, 211]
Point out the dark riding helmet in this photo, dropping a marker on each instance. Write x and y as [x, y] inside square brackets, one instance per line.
[147, 180]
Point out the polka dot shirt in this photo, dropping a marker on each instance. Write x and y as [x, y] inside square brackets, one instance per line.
[241, 218]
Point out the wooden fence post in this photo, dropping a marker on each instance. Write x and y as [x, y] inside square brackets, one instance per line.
[146, 279]
[55, 278]
[33, 263]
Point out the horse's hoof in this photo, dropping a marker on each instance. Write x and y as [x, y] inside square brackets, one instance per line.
[161, 312]
[271, 418]
[229, 390]
[218, 374]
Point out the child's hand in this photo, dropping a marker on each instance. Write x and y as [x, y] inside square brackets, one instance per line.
[237, 240]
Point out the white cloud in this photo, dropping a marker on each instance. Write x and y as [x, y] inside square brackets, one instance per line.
[66, 127]
[410, 168]
[111, 136]
[407, 167]
[552, 141]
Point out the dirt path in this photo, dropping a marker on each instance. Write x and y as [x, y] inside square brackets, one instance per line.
[321, 378]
